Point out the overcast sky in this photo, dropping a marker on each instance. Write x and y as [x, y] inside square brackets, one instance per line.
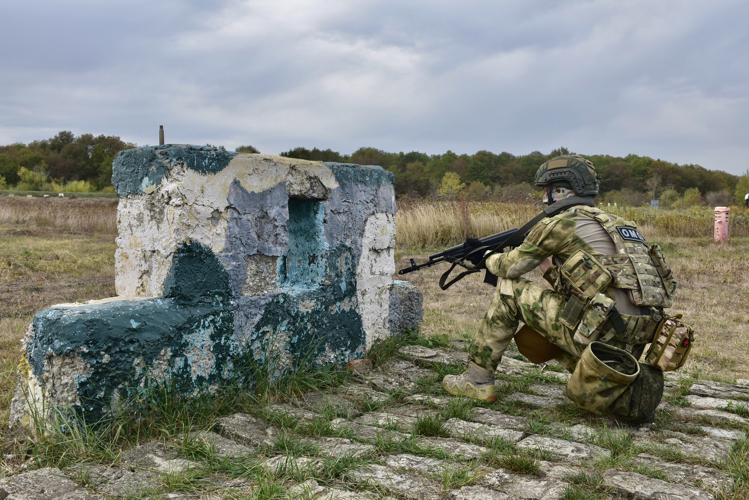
[666, 79]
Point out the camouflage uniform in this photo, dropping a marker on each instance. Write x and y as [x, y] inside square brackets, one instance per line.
[518, 300]
[608, 292]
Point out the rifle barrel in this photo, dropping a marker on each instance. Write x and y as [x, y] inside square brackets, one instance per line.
[459, 251]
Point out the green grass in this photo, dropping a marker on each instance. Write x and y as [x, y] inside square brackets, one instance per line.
[737, 466]
[517, 461]
[585, 486]
[456, 478]
[677, 400]
[430, 425]
[458, 408]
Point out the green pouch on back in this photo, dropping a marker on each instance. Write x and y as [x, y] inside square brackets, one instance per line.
[584, 274]
[595, 315]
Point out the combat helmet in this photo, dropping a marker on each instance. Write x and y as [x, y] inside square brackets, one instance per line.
[574, 170]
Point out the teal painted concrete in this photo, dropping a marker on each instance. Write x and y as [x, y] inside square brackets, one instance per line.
[304, 265]
[186, 336]
[137, 170]
[316, 321]
[370, 175]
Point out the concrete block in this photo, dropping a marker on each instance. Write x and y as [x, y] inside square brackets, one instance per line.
[225, 260]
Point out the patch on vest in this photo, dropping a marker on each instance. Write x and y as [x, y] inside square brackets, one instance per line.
[630, 233]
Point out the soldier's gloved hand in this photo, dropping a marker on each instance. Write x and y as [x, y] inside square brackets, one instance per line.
[477, 257]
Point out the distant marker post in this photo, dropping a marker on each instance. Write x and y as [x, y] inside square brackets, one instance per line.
[721, 224]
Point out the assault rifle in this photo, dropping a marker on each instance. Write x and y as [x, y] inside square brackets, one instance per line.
[481, 248]
[458, 254]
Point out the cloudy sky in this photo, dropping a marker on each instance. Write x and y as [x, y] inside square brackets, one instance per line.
[663, 78]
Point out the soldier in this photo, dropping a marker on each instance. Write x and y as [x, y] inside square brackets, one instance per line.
[600, 309]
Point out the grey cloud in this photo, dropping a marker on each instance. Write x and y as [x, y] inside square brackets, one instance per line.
[665, 79]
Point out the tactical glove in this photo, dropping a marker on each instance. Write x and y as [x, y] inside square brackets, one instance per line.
[474, 258]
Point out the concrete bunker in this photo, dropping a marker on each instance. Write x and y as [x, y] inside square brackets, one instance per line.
[223, 258]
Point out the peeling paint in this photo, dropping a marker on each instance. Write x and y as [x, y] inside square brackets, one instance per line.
[224, 258]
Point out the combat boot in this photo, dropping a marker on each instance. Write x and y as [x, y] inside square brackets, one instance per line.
[476, 383]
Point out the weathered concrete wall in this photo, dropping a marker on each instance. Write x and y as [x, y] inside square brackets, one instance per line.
[221, 257]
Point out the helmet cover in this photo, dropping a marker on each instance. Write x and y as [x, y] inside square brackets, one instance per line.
[578, 172]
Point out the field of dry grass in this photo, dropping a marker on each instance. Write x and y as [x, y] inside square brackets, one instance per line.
[54, 251]
[51, 251]
[63, 215]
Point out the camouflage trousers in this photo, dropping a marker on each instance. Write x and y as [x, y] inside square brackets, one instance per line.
[521, 301]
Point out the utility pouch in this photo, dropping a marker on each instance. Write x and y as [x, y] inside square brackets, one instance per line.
[595, 315]
[671, 345]
[572, 311]
[600, 377]
[584, 274]
[664, 271]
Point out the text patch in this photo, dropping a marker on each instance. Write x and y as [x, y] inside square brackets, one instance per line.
[630, 233]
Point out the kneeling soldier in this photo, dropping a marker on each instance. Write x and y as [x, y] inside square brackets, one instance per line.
[609, 292]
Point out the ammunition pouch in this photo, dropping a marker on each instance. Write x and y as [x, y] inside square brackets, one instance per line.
[587, 308]
[638, 330]
[602, 375]
[671, 345]
[584, 275]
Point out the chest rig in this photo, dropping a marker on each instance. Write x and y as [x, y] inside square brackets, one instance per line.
[638, 268]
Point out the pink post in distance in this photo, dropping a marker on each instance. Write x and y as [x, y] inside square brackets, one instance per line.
[721, 224]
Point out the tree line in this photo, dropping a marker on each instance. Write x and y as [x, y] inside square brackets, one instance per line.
[85, 162]
[631, 180]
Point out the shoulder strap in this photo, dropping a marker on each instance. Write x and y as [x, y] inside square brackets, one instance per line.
[518, 237]
[550, 211]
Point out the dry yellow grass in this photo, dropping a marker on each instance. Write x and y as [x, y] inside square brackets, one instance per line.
[76, 215]
[438, 224]
[39, 268]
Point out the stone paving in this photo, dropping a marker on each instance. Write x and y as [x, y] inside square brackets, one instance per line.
[391, 433]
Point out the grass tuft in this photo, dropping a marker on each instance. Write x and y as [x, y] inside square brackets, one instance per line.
[430, 425]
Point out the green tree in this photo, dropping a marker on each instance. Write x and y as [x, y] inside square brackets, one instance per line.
[668, 196]
[481, 167]
[9, 169]
[478, 191]
[742, 188]
[247, 149]
[451, 185]
[32, 180]
[373, 156]
[314, 154]
[691, 198]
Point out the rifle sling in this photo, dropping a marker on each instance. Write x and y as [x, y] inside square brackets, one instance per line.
[516, 238]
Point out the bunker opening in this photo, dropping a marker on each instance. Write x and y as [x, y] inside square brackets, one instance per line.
[303, 266]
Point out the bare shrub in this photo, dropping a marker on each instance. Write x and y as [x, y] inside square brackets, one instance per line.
[517, 193]
[626, 197]
[718, 198]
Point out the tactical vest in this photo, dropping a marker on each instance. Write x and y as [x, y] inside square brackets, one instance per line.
[639, 269]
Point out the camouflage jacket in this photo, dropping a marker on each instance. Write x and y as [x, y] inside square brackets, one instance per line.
[583, 228]
[552, 236]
